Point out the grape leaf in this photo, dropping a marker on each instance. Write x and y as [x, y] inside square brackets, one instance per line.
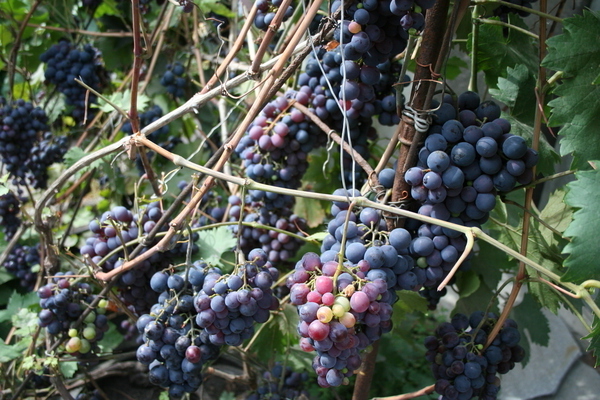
[68, 368]
[311, 210]
[556, 214]
[583, 249]
[576, 52]
[277, 335]
[497, 51]
[467, 283]
[454, 67]
[594, 338]
[11, 352]
[214, 243]
[489, 262]
[517, 92]
[408, 302]
[17, 302]
[478, 301]
[530, 317]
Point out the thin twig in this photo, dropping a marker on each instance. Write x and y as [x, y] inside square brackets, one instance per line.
[82, 32]
[421, 392]
[12, 65]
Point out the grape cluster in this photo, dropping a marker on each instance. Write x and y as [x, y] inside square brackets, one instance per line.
[63, 300]
[279, 246]
[283, 383]
[174, 80]
[266, 10]
[461, 364]
[48, 151]
[275, 147]
[65, 63]
[20, 262]
[9, 215]
[173, 345]
[338, 317]
[20, 136]
[229, 304]
[467, 158]
[115, 229]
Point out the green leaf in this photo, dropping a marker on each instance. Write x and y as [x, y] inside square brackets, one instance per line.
[594, 338]
[112, 338]
[478, 301]
[311, 210]
[530, 317]
[164, 395]
[584, 252]
[556, 214]
[17, 302]
[277, 335]
[3, 184]
[576, 52]
[517, 91]
[10, 352]
[123, 101]
[411, 301]
[489, 262]
[467, 282]
[454, 67]
[75, 154]
[214, 243]
[68, 368]
[216, 7]
[497, 51]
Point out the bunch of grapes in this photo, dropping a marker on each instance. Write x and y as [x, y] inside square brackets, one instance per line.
[174, 80]
[174, 347]
[266, 10]
[48, 151]
[342, 311]
[284, 383]
[63, 300]
[117, 228]
[467, 158]
[65, 63]
[276, 145]
[20, 262]
[461, 364]
[22, 125]
[279, 246]
[229, 304]
[9, 215]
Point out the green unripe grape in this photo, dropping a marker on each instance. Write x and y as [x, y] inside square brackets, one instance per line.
[103, 303]
[343, 301]
[72, 332]
[85, 346]
[91, 317]
[89, 333]
[422, 262]
[338, 310]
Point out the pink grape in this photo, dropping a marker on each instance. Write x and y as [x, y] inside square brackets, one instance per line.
[359, 302]
[324, 284]
[318, 330]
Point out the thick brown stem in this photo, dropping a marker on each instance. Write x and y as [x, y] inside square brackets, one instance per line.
[433, 36]
[365, 375]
